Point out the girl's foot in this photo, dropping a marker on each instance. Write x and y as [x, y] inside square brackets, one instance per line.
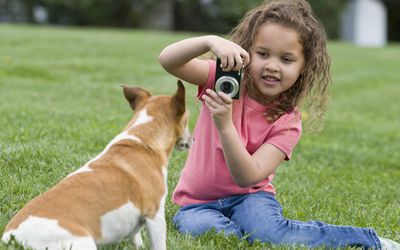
[389, 244]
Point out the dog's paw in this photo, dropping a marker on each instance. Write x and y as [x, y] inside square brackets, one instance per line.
[137, 240]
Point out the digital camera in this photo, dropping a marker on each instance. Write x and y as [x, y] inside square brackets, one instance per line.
[227, 82]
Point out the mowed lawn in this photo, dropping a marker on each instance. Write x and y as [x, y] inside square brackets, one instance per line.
[61, 103]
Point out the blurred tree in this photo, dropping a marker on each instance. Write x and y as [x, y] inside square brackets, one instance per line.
[393, 9]
[89, 12]
[218, 16]
[221, 16]
[121, 13]
[13, 11]
[29, 4]
[329, 13]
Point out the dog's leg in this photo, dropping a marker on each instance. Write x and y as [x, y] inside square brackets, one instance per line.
[157, 230]
[87, 244]
[137, 240]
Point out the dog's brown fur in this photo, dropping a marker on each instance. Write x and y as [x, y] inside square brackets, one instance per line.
[129, 170]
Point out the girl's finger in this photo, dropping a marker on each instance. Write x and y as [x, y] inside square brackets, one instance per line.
[213, 95]
[245, 56]
[231, 63]
[207, 99]
[210, 102]
[238, 62]
[211, 108]
[225, 98]
[224, 62]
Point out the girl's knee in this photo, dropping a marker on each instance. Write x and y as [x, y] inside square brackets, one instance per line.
[273, 232]
[199, 223]
[193, 222]
[190, 225]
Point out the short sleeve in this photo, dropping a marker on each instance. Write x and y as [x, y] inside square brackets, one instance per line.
[286, 133]
[210, 79]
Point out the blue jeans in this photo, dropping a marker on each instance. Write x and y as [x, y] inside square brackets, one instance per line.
[259, 216]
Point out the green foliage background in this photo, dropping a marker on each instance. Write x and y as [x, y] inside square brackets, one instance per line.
[218, 16]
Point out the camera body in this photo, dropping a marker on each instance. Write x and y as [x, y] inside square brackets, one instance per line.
[228, 82]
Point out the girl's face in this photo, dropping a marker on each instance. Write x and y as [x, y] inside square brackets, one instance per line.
[276, 61]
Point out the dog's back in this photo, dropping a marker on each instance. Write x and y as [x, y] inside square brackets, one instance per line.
[115, 193]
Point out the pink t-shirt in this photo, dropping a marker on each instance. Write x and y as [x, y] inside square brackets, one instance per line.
[206, 176]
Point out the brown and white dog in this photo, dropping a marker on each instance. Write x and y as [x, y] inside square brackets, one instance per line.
[112, 196]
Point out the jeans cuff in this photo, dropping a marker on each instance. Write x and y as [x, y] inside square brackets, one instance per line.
[375, 238]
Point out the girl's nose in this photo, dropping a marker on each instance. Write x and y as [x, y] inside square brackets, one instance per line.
[272, 65]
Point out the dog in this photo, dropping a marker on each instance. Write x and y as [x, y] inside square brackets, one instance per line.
[118, 192]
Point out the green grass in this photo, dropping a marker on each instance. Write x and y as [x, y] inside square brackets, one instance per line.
[61, 103]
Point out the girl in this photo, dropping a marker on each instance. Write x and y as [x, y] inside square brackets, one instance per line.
[238, 144]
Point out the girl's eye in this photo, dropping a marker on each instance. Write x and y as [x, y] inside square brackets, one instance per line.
[287, 59]
[262, 54]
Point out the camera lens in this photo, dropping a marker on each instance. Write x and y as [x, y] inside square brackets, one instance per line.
[228, 85]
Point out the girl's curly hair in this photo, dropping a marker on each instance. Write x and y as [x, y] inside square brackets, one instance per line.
[311, 90]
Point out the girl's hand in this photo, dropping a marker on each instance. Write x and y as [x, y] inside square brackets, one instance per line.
[220, 107]
[233, 57]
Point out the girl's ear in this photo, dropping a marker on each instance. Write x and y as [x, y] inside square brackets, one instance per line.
[136, 96]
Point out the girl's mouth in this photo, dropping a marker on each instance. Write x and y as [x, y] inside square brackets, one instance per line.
[270, 80]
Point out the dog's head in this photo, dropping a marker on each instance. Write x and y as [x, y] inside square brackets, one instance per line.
[167, 114]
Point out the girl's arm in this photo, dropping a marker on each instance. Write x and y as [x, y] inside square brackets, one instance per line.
[180, 58]
[246, 170]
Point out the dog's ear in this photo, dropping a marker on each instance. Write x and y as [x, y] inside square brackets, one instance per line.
[178, 99]
[136, 96]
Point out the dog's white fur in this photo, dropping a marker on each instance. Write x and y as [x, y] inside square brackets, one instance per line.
[113, 195]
